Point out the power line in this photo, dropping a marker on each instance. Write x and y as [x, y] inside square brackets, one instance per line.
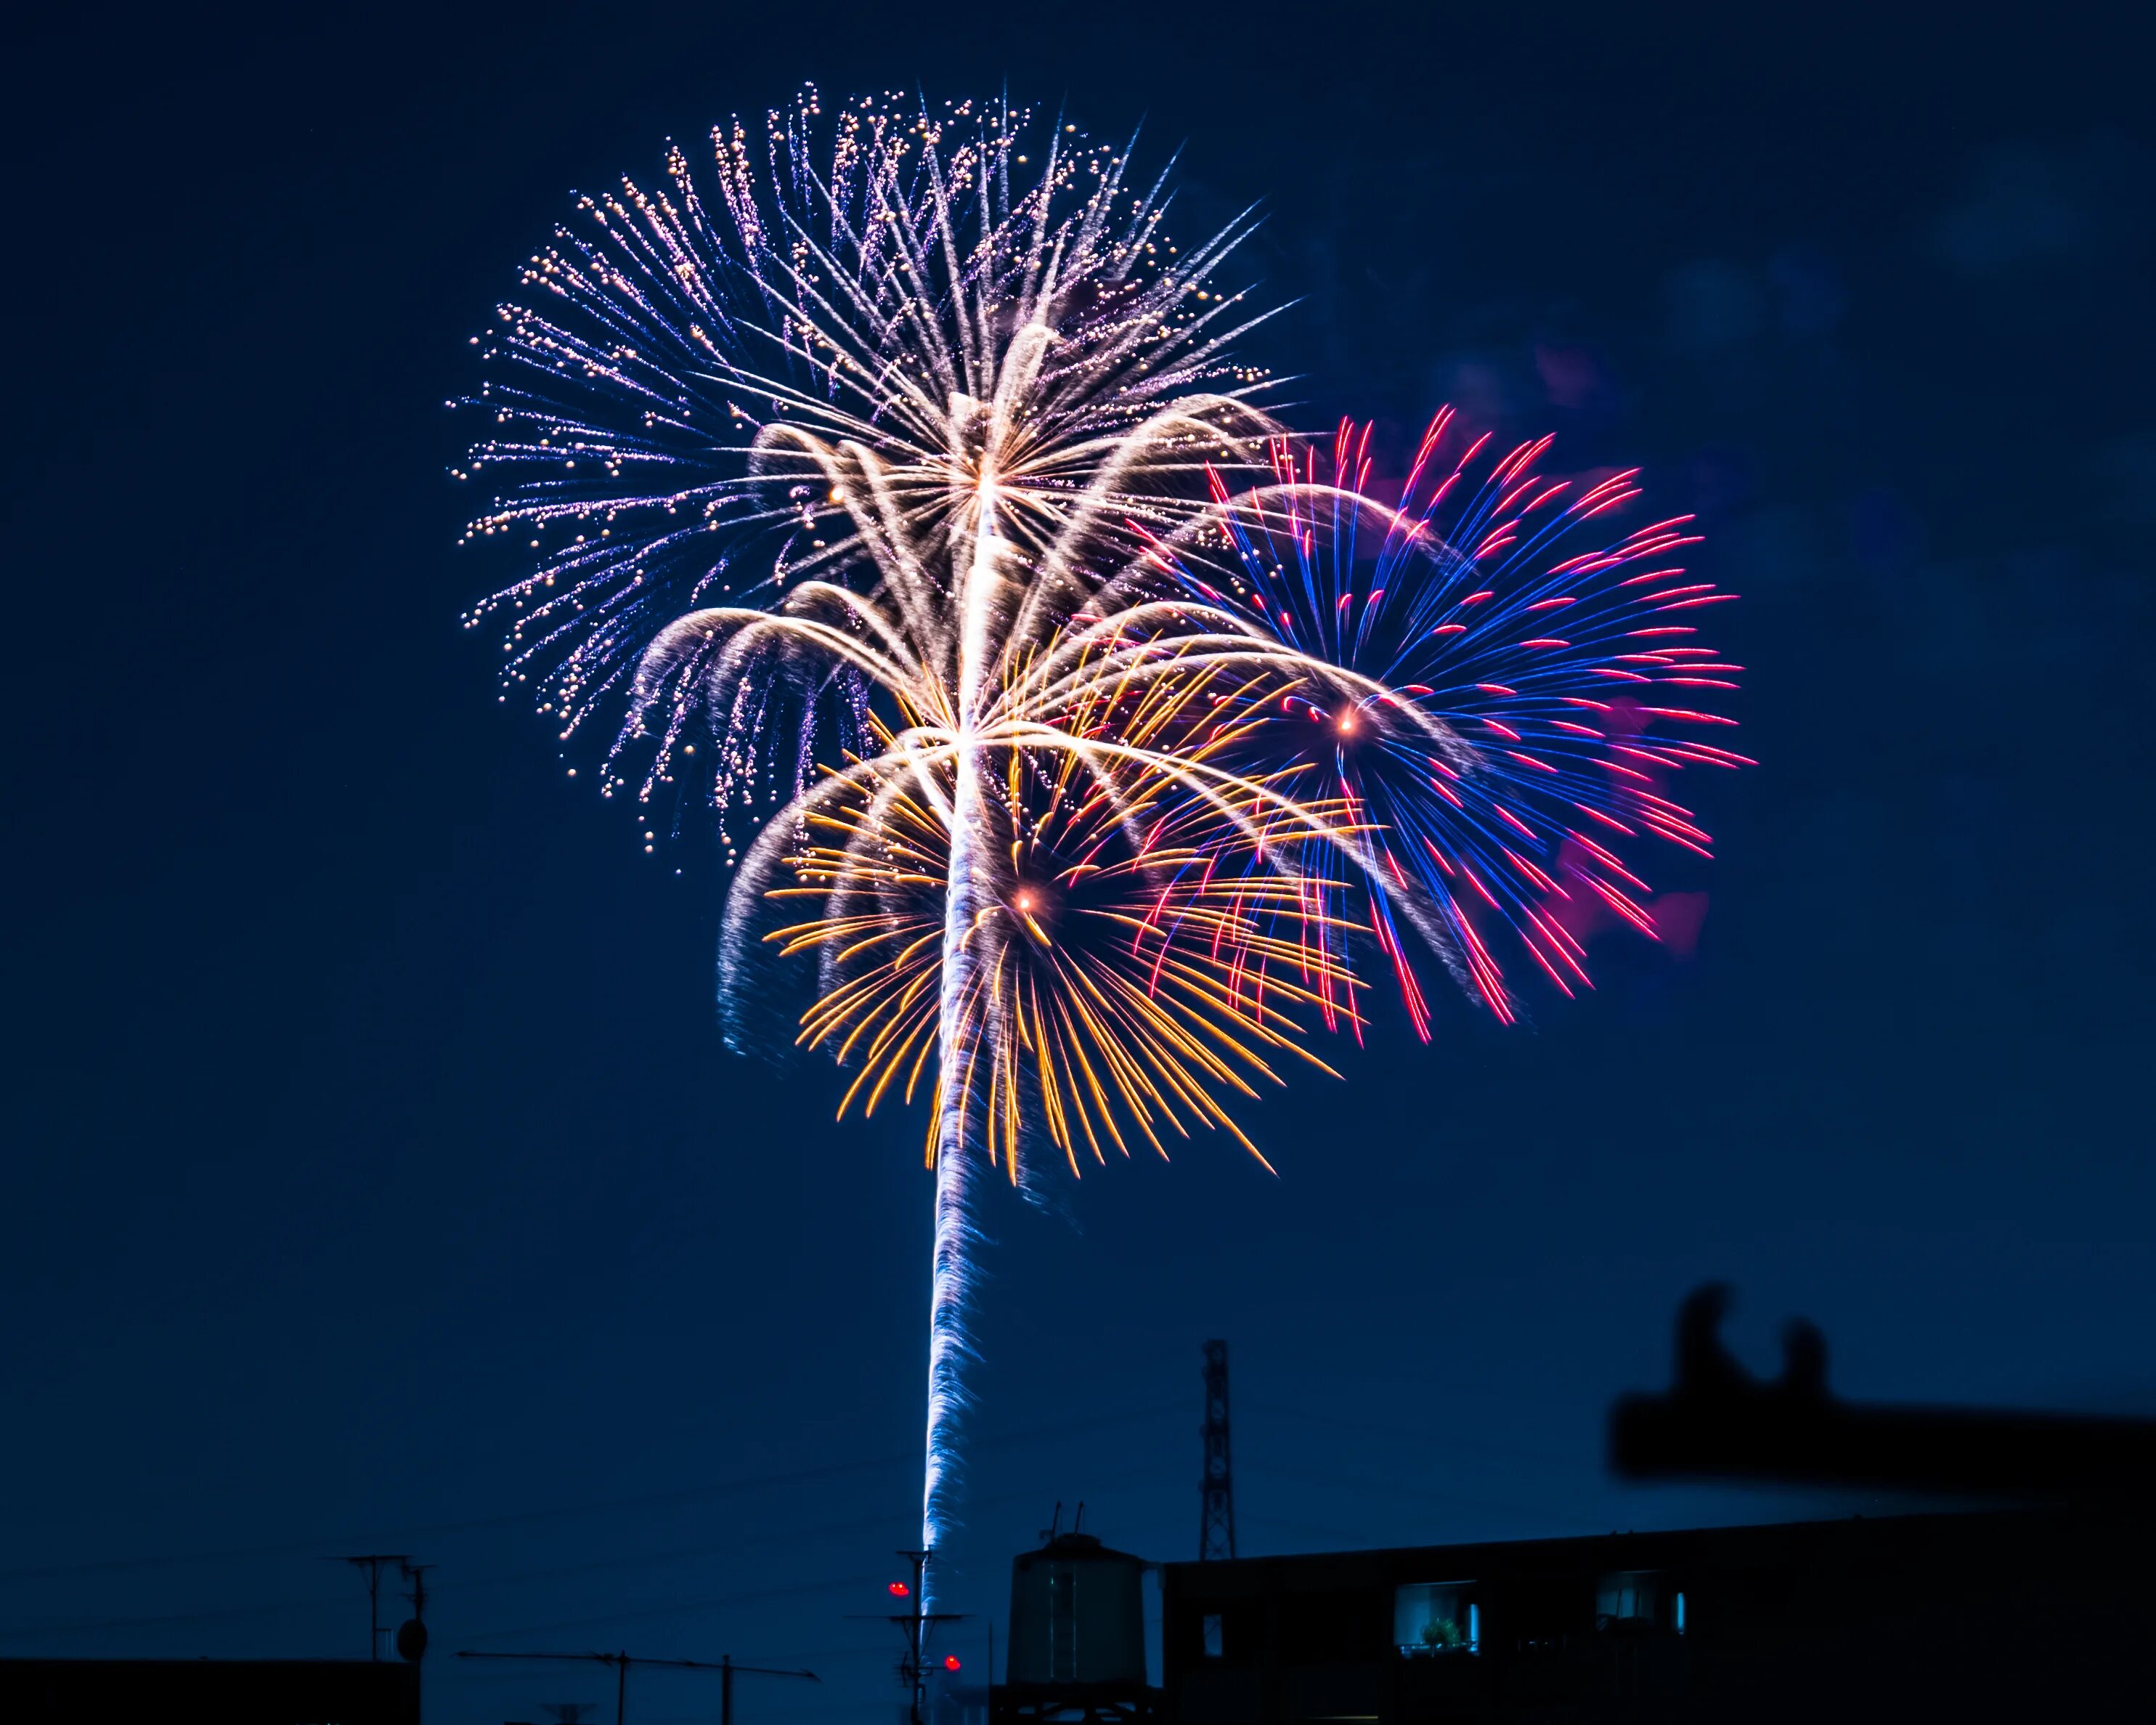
[680, 1606]
[230, 1615]
[787, 1535]
[594, 1506]
[867, 1656]
[1337, 1536]
[724, 1665]
[476, 1525]
[243, 1613]
[1389, 1488]
[1425, 1438]
[370, 1563]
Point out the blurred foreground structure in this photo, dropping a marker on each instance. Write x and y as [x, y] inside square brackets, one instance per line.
[1718, 1422]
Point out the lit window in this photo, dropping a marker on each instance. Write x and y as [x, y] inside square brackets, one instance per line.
[1678, 1620]
[1210, 1627]
[1628, 1600]
[1432, 1618]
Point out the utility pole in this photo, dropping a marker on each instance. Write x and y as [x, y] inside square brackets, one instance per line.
[1216, 1519]
[724, 1665]
[371, 1562]
[727, 1669]
[915, 1624]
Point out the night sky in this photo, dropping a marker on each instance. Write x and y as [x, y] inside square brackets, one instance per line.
[374, 1176]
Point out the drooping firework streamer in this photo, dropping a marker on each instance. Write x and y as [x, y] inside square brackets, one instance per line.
[887, 410]
[922, 452]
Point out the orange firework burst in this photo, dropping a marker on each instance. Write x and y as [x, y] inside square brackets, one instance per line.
[1140, 945]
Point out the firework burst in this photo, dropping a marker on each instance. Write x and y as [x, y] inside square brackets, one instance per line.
[1130, 975]
[894, 475]
[1563, 671]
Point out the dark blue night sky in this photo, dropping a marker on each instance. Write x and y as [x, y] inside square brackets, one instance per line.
[374, 1176]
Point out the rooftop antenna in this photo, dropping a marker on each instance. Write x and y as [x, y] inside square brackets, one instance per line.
[412, 1634]
[1216, 1517]
[724, 1665]
[371, 1562]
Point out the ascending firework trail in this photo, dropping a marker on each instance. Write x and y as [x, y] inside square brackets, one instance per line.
[920, 439]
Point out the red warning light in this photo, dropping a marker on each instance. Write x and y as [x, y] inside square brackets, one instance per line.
[950, 1661]
[900, 1590]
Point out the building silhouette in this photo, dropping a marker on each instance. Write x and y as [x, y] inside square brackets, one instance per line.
[208, 1691]
[2017, 1615]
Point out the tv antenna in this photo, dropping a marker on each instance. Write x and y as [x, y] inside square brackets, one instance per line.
[371, 1562]
[724, 1665]
[412, 1634]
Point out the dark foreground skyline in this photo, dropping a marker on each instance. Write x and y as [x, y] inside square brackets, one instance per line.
[375, 1177]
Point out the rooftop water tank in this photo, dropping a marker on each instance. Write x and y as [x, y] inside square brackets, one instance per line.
[1077, 1614]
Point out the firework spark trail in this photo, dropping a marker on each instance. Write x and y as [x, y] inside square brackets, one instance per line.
[921, 445]
[1552, 662]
